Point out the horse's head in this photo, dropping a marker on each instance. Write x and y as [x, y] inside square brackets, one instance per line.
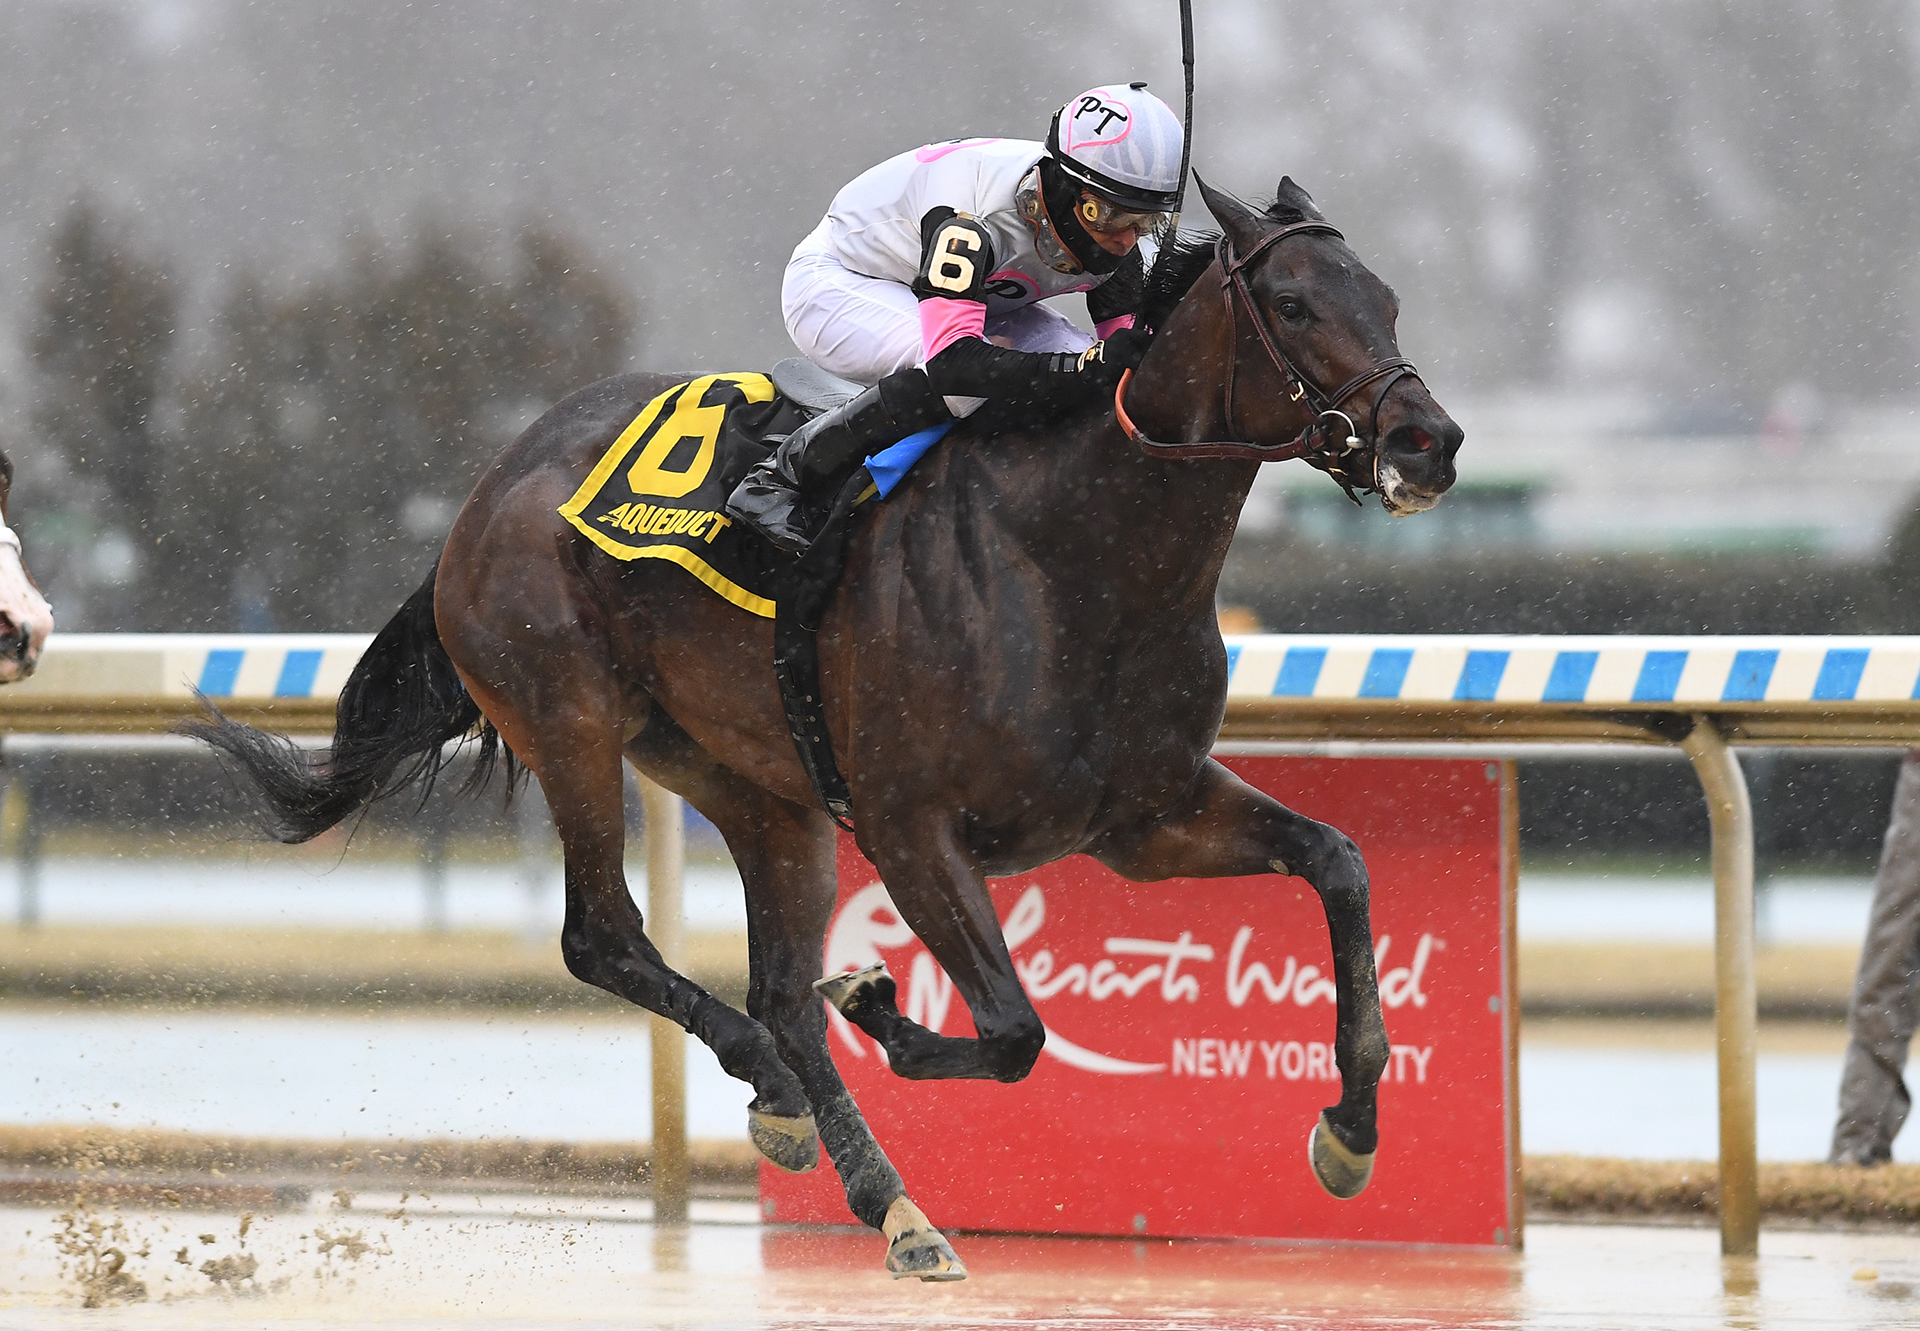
[25, 617]
[1313, 344]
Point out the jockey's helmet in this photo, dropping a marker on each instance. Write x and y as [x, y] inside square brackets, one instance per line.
[1122, 144]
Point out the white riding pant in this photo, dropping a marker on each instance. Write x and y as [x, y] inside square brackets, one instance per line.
[865, 328]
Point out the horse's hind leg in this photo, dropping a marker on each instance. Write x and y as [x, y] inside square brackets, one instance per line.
[572, 740]
[1225, 828]
[786, 861]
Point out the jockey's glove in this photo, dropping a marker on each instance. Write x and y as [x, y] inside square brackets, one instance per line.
[1124, 349]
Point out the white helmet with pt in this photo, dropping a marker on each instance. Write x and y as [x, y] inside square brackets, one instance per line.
[1122, 144]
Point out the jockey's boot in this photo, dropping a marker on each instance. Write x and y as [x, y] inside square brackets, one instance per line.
[784, 498]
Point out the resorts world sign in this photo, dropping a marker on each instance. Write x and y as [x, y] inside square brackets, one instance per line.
[1190, 1036]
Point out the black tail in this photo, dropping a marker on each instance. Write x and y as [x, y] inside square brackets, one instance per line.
[399, 708]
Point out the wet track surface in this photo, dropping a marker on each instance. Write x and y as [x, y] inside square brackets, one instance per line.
[523, 1262]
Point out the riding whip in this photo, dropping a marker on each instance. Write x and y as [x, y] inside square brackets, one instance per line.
[1186, 129]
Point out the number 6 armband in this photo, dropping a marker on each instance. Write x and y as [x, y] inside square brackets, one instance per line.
[956, 257]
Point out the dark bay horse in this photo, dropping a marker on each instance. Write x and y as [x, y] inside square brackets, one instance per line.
[25, 617]
[1021, 663]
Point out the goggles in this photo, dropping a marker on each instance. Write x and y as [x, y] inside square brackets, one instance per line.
[1097, 214]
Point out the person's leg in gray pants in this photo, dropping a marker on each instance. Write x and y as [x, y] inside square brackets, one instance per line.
[1886, 995]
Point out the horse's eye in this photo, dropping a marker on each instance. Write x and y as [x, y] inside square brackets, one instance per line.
[1290, 308]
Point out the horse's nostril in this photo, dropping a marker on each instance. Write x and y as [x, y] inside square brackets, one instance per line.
[1422, 441]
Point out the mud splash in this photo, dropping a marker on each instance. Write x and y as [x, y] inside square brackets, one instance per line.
[94, 1252]
[347, 1247]
[233, 1274]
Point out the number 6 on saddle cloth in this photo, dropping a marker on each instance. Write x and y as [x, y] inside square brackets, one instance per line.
[660, 492]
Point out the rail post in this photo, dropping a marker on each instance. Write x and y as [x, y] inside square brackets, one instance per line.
[666, 869]
[22, 833]
[1735, 1007]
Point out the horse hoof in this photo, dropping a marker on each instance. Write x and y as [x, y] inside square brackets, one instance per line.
[915, 1248]
[1342, 1172]
[792, 1144]
[850, 990]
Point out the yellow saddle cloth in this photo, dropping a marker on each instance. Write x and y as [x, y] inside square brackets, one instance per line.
[660, 491]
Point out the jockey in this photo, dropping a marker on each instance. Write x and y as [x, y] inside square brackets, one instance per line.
[923, 281]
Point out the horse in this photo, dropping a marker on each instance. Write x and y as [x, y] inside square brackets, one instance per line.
[1021, 662]
[25, 617]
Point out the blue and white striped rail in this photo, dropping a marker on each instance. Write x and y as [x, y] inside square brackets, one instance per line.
[172, 665]
[1614, 672]
[1322, 687]
[138, 681]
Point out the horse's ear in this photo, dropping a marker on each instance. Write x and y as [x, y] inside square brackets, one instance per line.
[1291, 196]
[1242, 224]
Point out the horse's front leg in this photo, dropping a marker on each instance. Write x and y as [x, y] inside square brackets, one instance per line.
[936, 885]
[1224, 828]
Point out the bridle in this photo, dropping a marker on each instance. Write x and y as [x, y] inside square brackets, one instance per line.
[1317, 442]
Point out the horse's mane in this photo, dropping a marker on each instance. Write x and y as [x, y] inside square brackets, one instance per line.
[1177, 267]
[1180, 264]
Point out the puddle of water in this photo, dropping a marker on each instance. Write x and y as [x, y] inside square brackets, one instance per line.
[567, 1270]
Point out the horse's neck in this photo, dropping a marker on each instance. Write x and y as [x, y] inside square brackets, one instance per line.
[1139, 540]
[1148, 535]
[1170, 519]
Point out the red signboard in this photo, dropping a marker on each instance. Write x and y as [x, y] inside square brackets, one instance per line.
[1190, 1030]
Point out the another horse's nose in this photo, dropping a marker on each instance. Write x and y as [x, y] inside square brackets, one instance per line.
[16, 640]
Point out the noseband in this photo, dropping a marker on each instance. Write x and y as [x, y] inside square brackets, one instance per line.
[1318, 443]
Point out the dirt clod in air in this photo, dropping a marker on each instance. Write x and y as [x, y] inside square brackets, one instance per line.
[352, 1246]
[233, 1273]
[342, 1200]
[229, 1272]
[94, 1255]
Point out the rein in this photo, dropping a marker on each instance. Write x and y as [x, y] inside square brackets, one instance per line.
[1316, 441]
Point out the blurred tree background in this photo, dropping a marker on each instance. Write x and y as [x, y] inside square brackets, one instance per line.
[311, 458]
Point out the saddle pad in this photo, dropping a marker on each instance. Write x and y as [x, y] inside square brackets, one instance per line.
[660, 491]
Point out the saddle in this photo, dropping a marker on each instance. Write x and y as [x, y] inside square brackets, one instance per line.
[811, 388]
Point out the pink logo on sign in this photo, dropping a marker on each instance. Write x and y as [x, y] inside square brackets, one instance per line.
[1096, 121]
[1172, 970]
